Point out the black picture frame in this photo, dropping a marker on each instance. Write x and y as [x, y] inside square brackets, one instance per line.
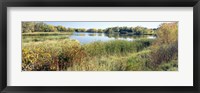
[101, 3]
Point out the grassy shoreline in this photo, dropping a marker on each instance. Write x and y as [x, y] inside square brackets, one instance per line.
[46, 33]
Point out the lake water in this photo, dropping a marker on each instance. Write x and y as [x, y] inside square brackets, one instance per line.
[84, 37]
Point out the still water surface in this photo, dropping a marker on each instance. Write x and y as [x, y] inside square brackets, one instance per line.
[84, 37]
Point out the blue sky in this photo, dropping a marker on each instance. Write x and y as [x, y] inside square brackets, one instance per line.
[103, 25]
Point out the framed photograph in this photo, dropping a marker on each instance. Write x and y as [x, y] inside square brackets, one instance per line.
[135, 46]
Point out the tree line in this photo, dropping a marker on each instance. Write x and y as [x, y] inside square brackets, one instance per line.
[28, 27]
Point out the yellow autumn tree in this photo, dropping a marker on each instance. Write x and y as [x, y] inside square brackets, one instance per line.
[165, 47]
[167, 33]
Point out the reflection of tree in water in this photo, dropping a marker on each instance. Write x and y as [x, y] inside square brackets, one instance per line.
[116, 36]
[100, 34]
[79, 34]
[92, 34]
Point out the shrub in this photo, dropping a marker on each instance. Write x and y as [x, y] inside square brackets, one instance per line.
[69, 56]
[138, 61]
[164, 53]
[169, 66]
[51, 55]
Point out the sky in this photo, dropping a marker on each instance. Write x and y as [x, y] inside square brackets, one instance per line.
[103, 25]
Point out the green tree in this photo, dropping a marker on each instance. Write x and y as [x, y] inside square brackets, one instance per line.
[70, 29]
[61, 28]
[28, 27]
[80, 30]
[92, 30]
[100, 30]
[39, 27]
[50, 28]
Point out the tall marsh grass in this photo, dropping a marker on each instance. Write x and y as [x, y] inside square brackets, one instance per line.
[117, 47]
[116, 55]
[71, 55]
